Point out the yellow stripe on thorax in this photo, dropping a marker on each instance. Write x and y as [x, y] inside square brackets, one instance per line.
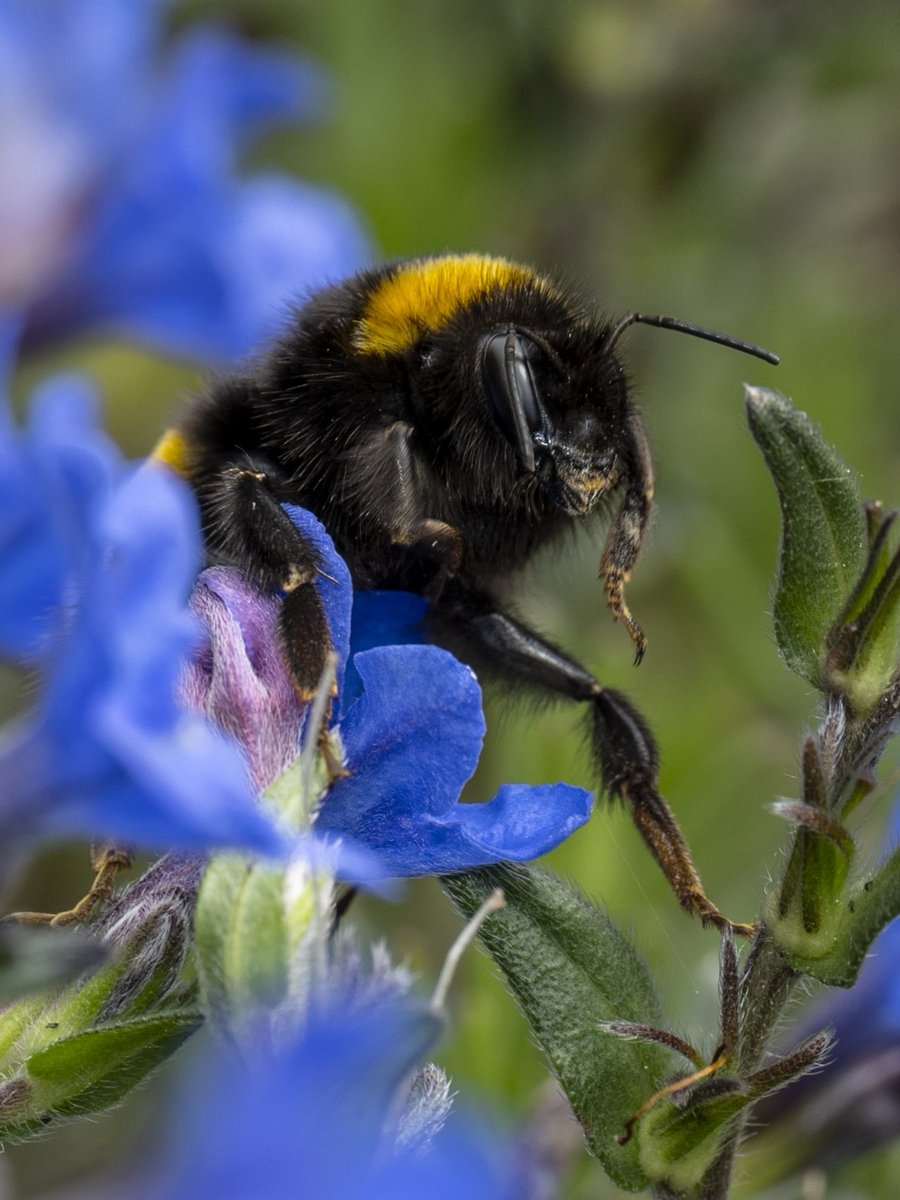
[425, 294]
[174, 451]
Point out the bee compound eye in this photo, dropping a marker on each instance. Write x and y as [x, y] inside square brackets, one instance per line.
[511, 390]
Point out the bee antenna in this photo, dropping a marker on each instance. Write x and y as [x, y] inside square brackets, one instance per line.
[697, 331]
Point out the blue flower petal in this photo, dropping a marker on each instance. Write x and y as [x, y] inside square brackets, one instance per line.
[382, 618]
[70, 59]
[108, 750]
[53, 478]
[316, 1114]
[129, 215]
[279, 240]
[412, 740]
[522, 822]
[233, 89]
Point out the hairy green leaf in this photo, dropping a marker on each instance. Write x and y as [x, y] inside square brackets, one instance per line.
[823, 540]
[571, 971]
[91, 1071]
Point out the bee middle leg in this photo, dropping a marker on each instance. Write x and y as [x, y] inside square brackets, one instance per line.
[499, 646]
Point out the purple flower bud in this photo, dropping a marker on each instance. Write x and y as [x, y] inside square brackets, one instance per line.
[238, 677]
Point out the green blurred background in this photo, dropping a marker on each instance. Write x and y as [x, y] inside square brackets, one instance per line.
[733, 164]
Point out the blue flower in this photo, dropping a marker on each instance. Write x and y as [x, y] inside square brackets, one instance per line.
[412, 740]
[411, 736]
[53, 478]
[96, 563]
[120, 207]
[315, 1120]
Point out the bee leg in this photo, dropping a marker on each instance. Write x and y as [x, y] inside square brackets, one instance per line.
[107, 860]
[442, 544]
[627, 533]
[499, 646]
[247, 526]
[394, 475]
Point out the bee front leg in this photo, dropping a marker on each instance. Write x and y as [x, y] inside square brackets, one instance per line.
[500, 647]
[628, 531]
[439, 543]
[247, 527]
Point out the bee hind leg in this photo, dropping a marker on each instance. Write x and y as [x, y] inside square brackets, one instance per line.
[501, 647]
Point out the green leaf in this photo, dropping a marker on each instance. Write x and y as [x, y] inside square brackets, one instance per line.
[823, 541]
[93, 1070]
[571, 970]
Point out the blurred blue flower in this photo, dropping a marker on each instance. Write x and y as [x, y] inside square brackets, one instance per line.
[411, 737]
[120, 207]
[54, 476]
[316, 1120]
[96, 563]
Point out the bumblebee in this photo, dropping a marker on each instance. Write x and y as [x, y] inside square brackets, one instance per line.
[445, 418]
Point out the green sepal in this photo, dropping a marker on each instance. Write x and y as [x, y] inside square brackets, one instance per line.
[240, 939]
[824, 875]
[823, 540]
[817, 868]
[837, 954]
[93, 1070]
[861, 646]
[684, 1132]
[678, 1145]
[571, 970]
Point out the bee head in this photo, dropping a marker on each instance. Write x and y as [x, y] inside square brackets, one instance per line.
[508, 377]
[562, 411]
[565, 411]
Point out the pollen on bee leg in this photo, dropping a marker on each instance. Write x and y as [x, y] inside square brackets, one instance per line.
[295, 578]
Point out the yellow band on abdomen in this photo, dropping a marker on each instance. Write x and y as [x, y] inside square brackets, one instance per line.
[174, 450]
